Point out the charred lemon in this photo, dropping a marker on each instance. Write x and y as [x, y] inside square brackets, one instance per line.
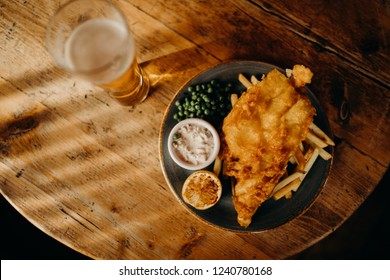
[202, 189]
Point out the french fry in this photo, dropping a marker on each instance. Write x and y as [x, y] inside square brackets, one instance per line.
[244, 81]
[308, 153]
[217, 165]
[254, 80]
[316, 140]
[233, 98]
[324, 154]
[318, 131]
[224, 170]
[286, 181]
[301, 147]
[292, 186]
[288, 73]
[232, 185]
[310, 163]
[292, 160]
[292, 183]
[285, 175]
[288, 195]
[300, 159]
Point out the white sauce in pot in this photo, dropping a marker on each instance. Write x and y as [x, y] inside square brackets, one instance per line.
[193, 143]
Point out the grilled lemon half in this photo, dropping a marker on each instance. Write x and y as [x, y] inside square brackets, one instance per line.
[202, 189]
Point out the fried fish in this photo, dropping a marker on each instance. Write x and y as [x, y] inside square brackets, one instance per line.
[261, 133]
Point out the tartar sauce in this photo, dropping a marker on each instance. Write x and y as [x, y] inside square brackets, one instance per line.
[193, 143]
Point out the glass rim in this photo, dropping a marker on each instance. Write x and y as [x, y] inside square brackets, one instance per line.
[62, 8]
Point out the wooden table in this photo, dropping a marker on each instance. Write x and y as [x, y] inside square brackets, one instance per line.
[86, 170]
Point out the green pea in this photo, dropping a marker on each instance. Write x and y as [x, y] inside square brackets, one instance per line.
[209, 100]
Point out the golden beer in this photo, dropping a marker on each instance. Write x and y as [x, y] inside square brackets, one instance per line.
[130, 88]
[100, 49]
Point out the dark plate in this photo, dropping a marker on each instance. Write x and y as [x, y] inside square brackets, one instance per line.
[271, 213]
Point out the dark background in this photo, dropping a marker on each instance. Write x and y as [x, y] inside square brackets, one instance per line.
[363, 236]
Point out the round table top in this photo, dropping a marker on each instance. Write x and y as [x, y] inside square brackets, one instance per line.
[86, 170]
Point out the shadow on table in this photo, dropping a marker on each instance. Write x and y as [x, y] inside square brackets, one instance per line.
[363, 236]
[23, 241]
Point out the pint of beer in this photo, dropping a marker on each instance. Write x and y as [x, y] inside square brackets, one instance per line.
[92, 39]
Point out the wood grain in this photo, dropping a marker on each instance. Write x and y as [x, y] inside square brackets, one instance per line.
[86, 171]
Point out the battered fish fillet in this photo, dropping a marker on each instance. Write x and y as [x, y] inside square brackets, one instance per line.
[260, 134]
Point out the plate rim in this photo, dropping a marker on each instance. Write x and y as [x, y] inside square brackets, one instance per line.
[176, 194]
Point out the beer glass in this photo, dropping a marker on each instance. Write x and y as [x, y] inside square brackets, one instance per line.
[91, 38]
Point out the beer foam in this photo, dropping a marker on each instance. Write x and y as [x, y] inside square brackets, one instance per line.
[100, 50]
